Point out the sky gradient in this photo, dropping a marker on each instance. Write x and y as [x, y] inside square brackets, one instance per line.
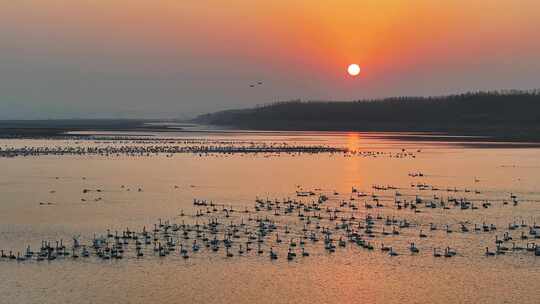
[170, 58]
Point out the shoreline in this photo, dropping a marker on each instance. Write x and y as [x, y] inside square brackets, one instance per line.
[88, 128]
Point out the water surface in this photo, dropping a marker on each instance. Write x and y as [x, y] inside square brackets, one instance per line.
[41, 198]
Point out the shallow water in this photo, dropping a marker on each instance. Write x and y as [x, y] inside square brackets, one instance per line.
[350, 275]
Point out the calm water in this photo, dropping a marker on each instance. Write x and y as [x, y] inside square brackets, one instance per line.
[169, 183]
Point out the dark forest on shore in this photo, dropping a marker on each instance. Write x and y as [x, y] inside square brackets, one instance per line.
[502, 114]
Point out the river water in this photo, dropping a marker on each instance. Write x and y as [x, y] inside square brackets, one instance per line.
[43, 198]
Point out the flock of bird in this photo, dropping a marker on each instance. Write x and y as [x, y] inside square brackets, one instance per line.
[141, 150]
[311, 224]
[144, 146]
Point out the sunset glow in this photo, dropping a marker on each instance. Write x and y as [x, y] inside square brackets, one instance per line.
[280, 151]
[160, 50]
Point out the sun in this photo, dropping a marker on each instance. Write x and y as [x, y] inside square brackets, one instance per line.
[353, 69]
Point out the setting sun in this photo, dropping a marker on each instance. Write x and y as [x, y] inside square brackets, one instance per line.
[353, 69]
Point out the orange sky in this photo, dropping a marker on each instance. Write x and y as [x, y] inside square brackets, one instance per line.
[200, 54]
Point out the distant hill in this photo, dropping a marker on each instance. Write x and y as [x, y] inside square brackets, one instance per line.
[504, 114]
